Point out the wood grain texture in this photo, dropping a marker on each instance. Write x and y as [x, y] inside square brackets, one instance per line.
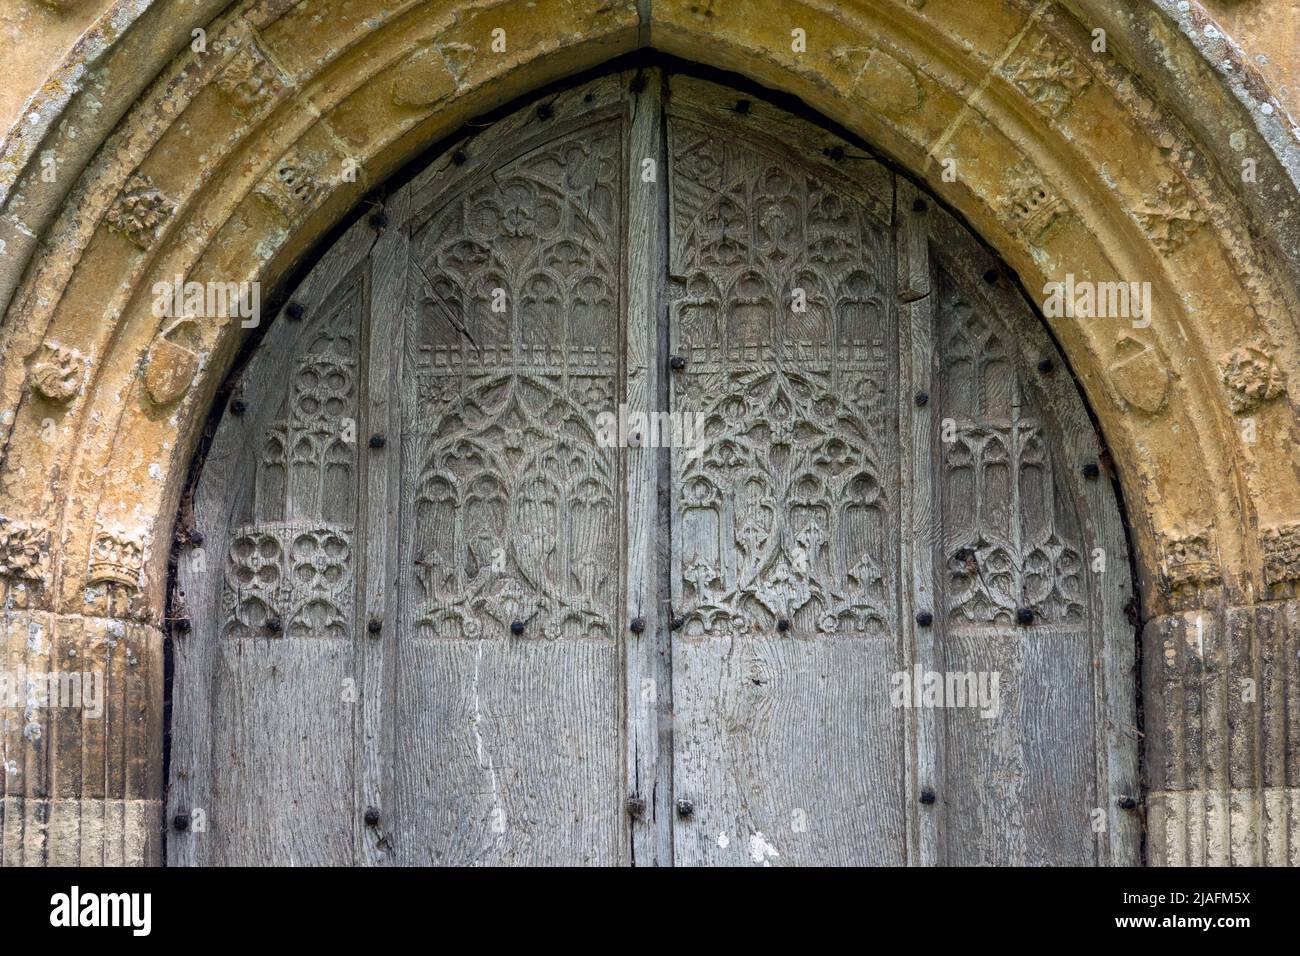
[797, 515]
[785, 531]
[648, 692]
[509, 746]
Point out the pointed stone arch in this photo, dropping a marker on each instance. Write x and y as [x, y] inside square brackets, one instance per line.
[230, 164]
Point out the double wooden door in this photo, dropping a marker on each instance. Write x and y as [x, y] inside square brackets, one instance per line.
[467, 596]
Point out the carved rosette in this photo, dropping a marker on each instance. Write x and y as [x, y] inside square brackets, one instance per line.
[140, 211]
[1172, 217]
[24, 562]
[1252, 377]
[56, 372]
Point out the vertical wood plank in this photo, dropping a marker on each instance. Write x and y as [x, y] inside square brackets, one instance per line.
[509, 677]
[648, 694]
[920, 647]
[388, 310]
[231, 692]
[785, 509]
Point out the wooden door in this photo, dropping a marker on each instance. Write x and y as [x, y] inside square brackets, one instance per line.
[456, 603]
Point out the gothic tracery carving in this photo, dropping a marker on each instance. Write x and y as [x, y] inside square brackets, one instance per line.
[516, 513]
[1005, 548]
[779, 303]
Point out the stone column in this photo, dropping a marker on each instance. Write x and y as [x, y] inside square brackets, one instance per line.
[1222, 721]
[81, 724]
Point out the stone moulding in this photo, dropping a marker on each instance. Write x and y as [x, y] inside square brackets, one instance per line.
[297, 92]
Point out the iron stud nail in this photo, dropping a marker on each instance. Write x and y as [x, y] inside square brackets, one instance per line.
[783, 625]
[638, 625]
[919, 205]
[991, 276]
[1046, 366]
[1126, 803]
[295, 311]
[922, 398]
[1091, 471]
[374, 625]
[273, 625]
[378, 220]
[181, 821]
[927, 796]
[636, 808]
[516, 628]
[545, 111]
[742, 107]
[685, 808]
[677, 363]
[677, 623]
[1024, 616]
[834, 153]
[238, 406]
[372, 817]
[924, 618]
[377, 440]
[181, 625]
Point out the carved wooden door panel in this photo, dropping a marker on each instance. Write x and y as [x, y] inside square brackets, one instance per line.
[452, 600]
[881, 500]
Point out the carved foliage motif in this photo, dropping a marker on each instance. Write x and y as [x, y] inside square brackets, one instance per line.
[786, 509]
[250, 79]
[516, 511]
[24, 562]
[1281, 545]
[288, 579]
[1252, 377]
[56, 372]
[1005, 547]
[784, 514]
[1172, 216]
[1048, 75]
[140, 211]
[518, 505]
